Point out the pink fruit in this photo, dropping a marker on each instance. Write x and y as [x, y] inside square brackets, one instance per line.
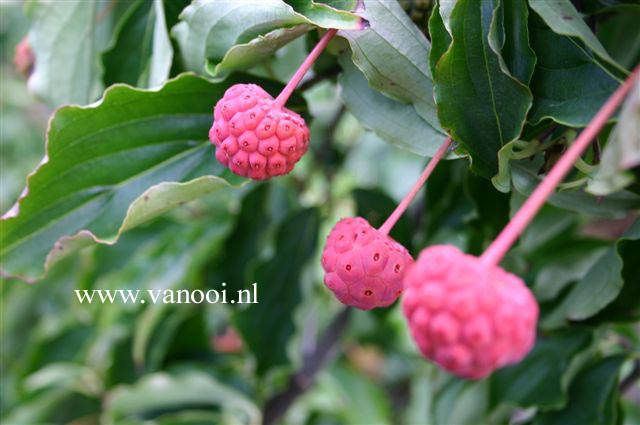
[363, 267]
[23, 58]
[254, 136]
[467, 316]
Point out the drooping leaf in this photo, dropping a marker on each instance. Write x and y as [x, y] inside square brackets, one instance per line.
[267, 325]
[395, 122]
[568, 84]
[141, 53]
[244, 56]
[393, 55]
[209, 29]
[537, 379]
[103, 157]
[66, 38]
[158, 393]
[479, 102]
[563, 18]
[622, 151]
[601, 284]
[591, 396]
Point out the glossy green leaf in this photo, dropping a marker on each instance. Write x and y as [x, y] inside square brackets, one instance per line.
[563, 18]
[600, 285]
[393, 55]
[268, 325]
[590, 396]
[568, 85]
[156, 393]
[141, 53]
[209, 29]
[103, 158]
[66, 38]
[395, 122]
[538, 379]
[479, 102]
[622, 151]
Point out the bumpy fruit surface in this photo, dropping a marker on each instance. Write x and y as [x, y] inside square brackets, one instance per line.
[363, 267]
[255, 137]
[466, 316]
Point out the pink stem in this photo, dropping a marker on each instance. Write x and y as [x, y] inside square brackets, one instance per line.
[402, 206]
[308, 62]
[497, 250]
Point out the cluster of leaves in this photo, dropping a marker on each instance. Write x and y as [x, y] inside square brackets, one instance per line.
[512, 81]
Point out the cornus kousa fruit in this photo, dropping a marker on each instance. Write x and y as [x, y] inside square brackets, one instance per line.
[467, 316]
[363, 267]
[254, 136]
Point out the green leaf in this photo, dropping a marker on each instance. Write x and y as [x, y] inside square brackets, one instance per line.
[141, 53]
[537, 379]
[393, 55]
[622, 151]
[395, 122]
[245, 55]
[568, 85]
[209, 29]
[268, 325]
[479, 102]
[516, 50]
[159, 393]
[325, 15]
[103, 158]
[568, 264]
[563, 18]
[461, 402]
[440, 37]
[525, 179]
[600, 285]
[66, 38]
[623, 45]
[591, 396]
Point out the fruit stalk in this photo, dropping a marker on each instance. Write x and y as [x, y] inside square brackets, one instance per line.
[308, 62]
[497, 250]
[402, 206]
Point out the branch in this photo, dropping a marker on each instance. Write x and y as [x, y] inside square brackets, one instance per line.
[302, 380]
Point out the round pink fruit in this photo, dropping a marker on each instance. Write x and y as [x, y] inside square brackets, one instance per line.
[363, 267]
[253, 136]
[468, 317]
